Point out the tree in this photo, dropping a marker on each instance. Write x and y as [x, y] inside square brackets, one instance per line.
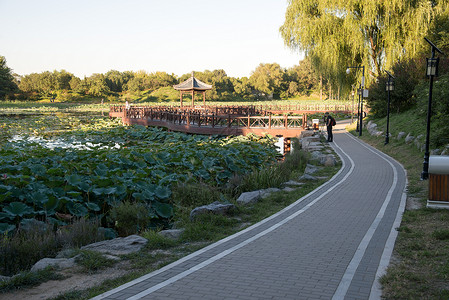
[375, 34]
[269, 79]
[97, 85]
[7, 84]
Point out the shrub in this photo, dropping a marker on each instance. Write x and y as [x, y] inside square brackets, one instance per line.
[20, 251]
[29, 244]
[129, 218]
[80, 233]
[194, 194]
[93, 261]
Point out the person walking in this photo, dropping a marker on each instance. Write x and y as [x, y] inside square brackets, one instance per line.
[330, 122]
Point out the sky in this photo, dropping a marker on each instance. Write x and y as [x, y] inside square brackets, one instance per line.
[175, 36]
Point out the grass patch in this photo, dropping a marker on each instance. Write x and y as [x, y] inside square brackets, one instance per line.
[29, 279]
[92, 261]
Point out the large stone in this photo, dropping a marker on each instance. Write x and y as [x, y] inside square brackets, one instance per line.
[173, 234]
[378, 133]
[310, 169]
[4, 278]
[371, 127]
[316, 155]
[307, 177]
[409, 138]
[328, 160]
[216, 208]
[401, 135]
[292, 183]
[249, 197]
[306, 133]
[267, 192]
[119, 246]
[60, 263]
[435, 152]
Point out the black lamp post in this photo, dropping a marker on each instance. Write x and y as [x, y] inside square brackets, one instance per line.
[389, 87]
[362, 87]
[431, 71]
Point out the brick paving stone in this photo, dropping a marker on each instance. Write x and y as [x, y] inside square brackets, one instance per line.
[307, 256]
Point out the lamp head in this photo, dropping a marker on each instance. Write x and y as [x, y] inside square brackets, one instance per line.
[348, 71]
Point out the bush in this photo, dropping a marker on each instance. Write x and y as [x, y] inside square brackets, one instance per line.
[22, 250]
[129, 218]
[80, 233]
[25, 248]
[194, 194]
[401, 98]
[440, 108]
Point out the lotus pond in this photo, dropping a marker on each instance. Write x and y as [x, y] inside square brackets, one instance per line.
[55, 164]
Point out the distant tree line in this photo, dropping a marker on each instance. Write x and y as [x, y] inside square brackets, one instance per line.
[267, 81]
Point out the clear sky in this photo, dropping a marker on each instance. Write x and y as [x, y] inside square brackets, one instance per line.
[176, 36]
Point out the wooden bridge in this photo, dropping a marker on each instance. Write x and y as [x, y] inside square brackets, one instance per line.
[285, 121]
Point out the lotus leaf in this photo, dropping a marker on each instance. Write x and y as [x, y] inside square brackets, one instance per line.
[5, 228]
[77, 209]
[164, 210]
[162, 192]
[17, 209]
[93, 206]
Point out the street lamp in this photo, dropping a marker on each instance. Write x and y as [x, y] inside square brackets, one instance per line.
[431, 71]
[362, 87]
[389, 87]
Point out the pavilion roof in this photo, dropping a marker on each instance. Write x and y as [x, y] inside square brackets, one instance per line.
[192, 84]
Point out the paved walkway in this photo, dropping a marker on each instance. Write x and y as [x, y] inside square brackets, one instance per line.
[331, 244]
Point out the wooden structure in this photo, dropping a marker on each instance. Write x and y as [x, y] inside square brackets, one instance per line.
[438, 182]
[192, 86]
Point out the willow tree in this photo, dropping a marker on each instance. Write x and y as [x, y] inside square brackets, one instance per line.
[374, 34]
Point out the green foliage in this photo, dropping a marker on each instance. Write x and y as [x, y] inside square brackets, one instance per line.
[35, 240]
[440, 108]
[268, 79]
[130, 218]
[407, 75]
[374, 34]
[7, 84]
[29, 279]
[21, 250]
[157, 241]
[93, 261]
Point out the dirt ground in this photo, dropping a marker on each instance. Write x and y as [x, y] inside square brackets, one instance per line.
[76, 280]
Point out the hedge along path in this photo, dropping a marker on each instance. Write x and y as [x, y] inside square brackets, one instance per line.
[333, 243]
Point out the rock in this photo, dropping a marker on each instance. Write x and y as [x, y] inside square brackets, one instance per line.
[401, 135]
[378, 133]
[371, 127]
[118, 246]
[307, 177]
[214, 208]
[267, 192]
[306, 133]
[288, 189]
[409, 138]
[316, 155]
[4, 278]
[310, 169]
[249, 197]
[328, 160]
[111, 257]
[66, 253]
[172, 234]
[435, 152]
[61, 263]
[292, 183]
